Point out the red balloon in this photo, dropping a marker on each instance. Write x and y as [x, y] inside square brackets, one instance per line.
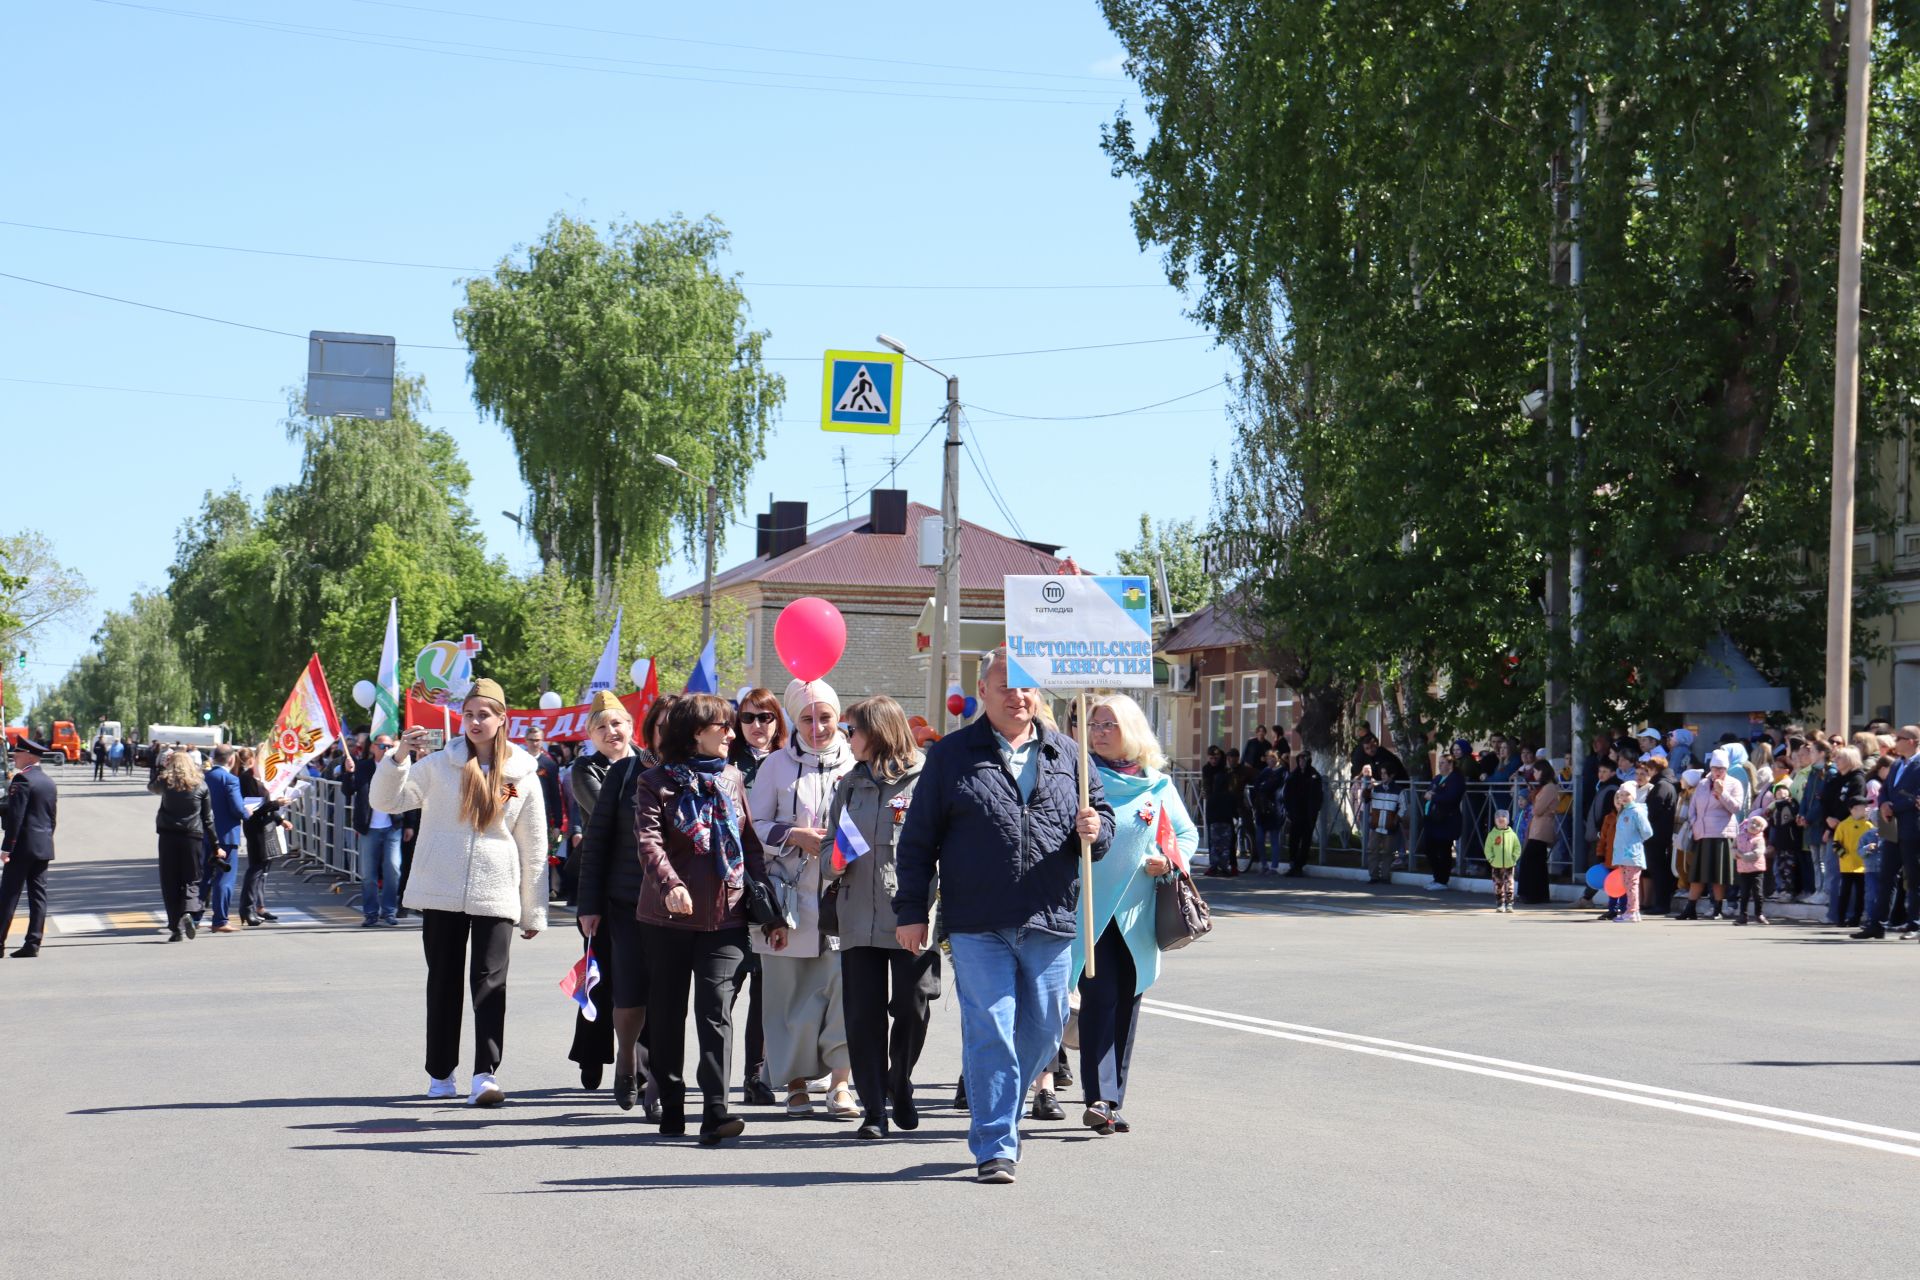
[956, 705]
[1616, 883]
[809, 635]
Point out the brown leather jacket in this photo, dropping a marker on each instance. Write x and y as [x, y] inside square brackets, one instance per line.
[670, 859]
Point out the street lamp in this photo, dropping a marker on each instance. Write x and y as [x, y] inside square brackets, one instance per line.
[713, 520]
[947, 616]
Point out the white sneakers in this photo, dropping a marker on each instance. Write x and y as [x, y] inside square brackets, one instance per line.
[448, 1088]
[1434, 886]
[486, 1091]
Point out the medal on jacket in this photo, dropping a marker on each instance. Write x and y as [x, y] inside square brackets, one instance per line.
[899, 806]
[1145, 813]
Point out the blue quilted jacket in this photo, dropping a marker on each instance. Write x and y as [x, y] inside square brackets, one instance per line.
[1002, 864]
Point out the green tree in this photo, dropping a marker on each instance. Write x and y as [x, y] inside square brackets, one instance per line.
[1176, 543]
[594, 355]
[135, 673]
[38, 595]
[1376, 200]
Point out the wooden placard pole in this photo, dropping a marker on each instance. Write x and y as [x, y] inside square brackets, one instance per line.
[1086, 845]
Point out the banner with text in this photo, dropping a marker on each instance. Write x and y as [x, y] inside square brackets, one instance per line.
[564, 724]
[1079, 632]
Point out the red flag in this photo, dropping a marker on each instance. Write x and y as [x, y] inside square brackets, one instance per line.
[1168, 843]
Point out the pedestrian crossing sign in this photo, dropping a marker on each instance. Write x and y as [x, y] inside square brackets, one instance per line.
[860, 392]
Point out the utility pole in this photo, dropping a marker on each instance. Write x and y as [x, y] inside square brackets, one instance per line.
[706, 592]
[946, 612]
[1577, 551]
[1846, 372]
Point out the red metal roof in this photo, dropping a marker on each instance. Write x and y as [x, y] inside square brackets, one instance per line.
[845, 554]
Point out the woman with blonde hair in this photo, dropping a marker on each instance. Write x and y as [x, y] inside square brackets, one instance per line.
[873, 799]
[183, 823]
[479, 870]
[608, 890]
[1127, 951]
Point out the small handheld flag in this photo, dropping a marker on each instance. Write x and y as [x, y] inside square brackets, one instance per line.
[1167, 842]
[580, 981]
[705, 677]
[848, 844]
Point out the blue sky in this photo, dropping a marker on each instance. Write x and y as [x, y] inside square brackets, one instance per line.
[432, 134]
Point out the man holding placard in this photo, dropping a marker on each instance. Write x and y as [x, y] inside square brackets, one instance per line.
[1005, 811]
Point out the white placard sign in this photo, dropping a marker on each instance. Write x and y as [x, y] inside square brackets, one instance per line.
[1079, 632]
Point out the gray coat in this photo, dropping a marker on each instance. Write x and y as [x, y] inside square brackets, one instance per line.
[865, 903]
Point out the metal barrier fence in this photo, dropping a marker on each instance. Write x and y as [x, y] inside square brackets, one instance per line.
[322, 840]
[1341, 837]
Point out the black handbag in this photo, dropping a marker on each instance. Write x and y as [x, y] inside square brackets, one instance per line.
[761, 907]
[1180, 914]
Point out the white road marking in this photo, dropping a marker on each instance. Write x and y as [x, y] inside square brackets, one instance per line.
[1850, 1132]
[77, 922]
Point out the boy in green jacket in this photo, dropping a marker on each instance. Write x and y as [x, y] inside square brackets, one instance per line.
[1502, 852]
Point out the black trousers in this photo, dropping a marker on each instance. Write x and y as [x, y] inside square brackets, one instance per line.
[445, 935]
[99, 768]
[179, 875]
[1299, 845]
[1660, 876]
[882, 1057]
[756, 1035]
[1439, 851]
[1109, 1014]
[23, 872]
[253, 889]
[710, 963]
[1530, 878]
[593, 1041]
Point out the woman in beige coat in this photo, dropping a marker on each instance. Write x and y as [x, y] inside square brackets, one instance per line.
[805, 1025]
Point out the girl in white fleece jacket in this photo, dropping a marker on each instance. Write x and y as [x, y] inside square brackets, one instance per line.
[479, 871]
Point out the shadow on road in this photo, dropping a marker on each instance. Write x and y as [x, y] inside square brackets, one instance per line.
[1843, 1062]
[411, 1102]
[782, 1178]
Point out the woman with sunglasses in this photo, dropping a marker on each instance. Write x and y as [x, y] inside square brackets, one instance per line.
[1127, 953]
[694, 833]
[792, 794]
[761, 729]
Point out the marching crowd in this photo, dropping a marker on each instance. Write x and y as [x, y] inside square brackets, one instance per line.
[1788, 815]
[829, 863]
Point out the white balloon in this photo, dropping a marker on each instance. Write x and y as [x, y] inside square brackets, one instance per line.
[639, 671]
[550, 701]
[364, 693]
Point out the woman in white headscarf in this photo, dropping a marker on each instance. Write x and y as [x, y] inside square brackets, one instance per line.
[805, 1025]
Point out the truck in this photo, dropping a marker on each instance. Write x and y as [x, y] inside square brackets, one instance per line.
[66, 744]
[204, 736]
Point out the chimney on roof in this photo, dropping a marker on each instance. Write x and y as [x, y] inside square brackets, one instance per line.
[763, 533]
[888, 513]
[786, 528]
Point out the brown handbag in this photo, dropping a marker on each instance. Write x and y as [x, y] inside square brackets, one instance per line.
[1180, 914]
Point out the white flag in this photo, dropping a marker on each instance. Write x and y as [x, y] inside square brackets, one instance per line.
[603, 675]
[387, 716]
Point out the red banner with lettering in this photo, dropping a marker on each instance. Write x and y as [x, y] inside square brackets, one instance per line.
[563, 724]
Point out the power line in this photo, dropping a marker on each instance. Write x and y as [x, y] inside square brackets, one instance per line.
[1088, 417]
[841, 514]
[443, 266]
[382, 40]
[722, 44]
[655, 355]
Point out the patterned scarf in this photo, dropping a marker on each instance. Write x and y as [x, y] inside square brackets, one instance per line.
[706, 808]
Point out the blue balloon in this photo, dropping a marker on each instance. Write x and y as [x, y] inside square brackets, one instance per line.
[1596, 877]
[973, 705]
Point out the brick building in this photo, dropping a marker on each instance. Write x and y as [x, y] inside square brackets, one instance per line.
[1216, 692]
[869, 568]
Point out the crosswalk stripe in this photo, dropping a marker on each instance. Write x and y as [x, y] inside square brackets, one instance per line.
[77, 922]
[136, 919]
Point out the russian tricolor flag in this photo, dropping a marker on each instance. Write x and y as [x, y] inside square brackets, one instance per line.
[848, 844]
[580, 982]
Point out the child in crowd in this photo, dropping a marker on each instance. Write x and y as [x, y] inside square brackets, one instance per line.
[1848, 837]
[1783, 837]
[1600, 824]
[1631, 831]
[1502, 852]
[1750, 864]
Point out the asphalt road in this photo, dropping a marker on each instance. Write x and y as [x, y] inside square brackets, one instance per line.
[1728, 1102]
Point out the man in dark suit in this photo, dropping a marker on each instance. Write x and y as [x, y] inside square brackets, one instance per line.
[29, 819]
[229, 813]
[1899, 803]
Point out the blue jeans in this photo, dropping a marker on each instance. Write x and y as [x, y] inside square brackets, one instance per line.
[216, 887]
[1269, 843]
[1013, 1006]
[1830, 878]
[380, 873]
